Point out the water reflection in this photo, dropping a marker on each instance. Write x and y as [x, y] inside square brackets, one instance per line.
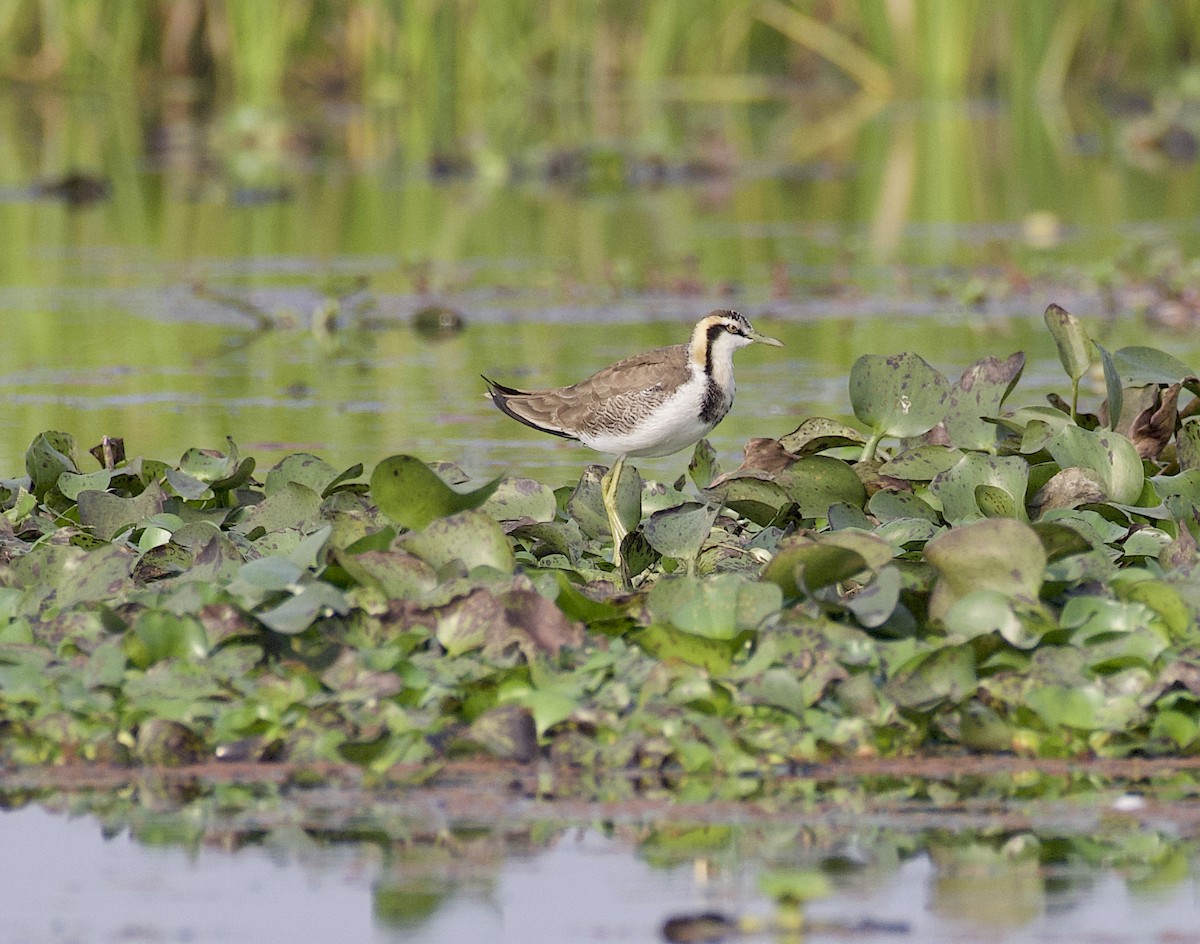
[247, 863]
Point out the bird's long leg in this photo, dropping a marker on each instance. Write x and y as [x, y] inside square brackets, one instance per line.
[608, 491]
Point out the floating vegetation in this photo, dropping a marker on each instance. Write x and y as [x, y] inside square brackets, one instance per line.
[958, 575]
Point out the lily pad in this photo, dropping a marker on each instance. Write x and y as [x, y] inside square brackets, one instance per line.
[412, 494]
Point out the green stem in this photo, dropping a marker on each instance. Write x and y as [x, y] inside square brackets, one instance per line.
[871, 445]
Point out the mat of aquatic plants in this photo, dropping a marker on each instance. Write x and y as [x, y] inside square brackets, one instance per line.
[953, 574]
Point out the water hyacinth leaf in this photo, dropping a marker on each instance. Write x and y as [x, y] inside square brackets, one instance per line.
[681, 531]
[752, 495]
[1071, 339]
[309, 552]
[806, 566]
[888, 505]
[1147, 365]
[106, 514]
[1062, 706]
[902, 532]
[585, 506]
[777, 687]
[930, 679]
[989, 611]
[1109, 455]
[1060, 541]
[816, 482]
[293, 506]
[671, 645]
[410, 493]
[1187, 444]
[188, 486]
[210, 465]
[921, 463]
[1000, 554]
[507, 732]
[162, 742]
[794, 886]
[704, 466]
[1112, 386]
[843, 516]
[719, 607]
[49, 455]
[303, 468]
[395, 574]
[469, 536]
[875, 551]
[164, 635]
[70, 484]
[342, 478]
[533, 624]
[876, 602]
[995, 502]
[957, 488]
[519, 498]
[300, 610]
[898, 395]
[816, 434]
[978, 393]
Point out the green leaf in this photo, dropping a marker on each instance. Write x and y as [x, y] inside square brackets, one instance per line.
[752, 495]
[106, 514]
[921, 463]
[1112, 386]
[980, 393]
[50, 455]
[164, 635]
[816, 482]
[1147, 365]
[816, 434]
[719, 607]
[1109, 455]
[469, 536]
[300, 610]
[1000, 554]
[1071, 339]
[412, 494]
[70, 484]
[958, 488]
[703, 467]
[303, 469]
[897, 395]
[516, 498]
[681, 531]
[293, 506]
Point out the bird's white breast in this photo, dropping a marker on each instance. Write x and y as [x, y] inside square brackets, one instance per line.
[673, 426]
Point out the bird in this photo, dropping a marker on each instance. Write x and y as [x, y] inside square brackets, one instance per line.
[649, 405]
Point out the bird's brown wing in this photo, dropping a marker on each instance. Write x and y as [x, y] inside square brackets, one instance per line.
[619, 394]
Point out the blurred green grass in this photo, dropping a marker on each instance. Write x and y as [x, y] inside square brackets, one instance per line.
[463, 53]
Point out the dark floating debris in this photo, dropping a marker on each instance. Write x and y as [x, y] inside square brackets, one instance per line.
[708, 926]
[76, 188]
[437, 322]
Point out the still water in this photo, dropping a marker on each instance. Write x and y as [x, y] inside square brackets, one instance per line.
[940, 227]
[180, 877]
